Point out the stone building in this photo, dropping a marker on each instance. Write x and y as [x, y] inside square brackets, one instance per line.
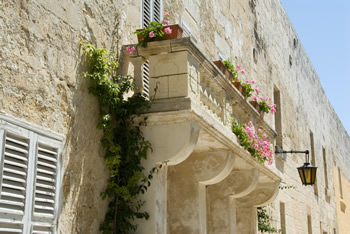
[52, 170]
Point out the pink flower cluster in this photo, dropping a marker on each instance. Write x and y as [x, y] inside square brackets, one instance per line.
[165, 22]
[259, 143]
[262, 99]
[130, 49]
[242, 71]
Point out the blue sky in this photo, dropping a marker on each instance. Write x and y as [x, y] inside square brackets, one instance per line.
[323, 27]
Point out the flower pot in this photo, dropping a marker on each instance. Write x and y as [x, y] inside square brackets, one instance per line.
[176, 32]
[224, 70]
[256, 105]
[239, 86]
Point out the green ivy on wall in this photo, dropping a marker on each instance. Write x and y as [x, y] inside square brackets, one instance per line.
[264, 221]
[123, 142]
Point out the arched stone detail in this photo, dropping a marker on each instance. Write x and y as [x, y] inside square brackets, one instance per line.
[172, 142]
[221, 198]
[245, 207]
[186, 203]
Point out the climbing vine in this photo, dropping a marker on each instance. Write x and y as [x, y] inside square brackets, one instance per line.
[264, 221]
[123, 142]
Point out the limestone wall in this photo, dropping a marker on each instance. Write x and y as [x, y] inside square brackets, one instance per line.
[259, 35]
[40, 82]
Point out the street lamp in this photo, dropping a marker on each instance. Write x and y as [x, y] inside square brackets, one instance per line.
[307, 172]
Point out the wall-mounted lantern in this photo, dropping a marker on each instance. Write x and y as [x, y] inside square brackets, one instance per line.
[307, 172]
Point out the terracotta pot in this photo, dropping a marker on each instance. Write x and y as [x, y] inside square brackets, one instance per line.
[239, 86]
[224, 70]
[176, 32]
[256, 105]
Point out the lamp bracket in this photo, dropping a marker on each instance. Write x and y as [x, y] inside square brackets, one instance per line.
[292, 152]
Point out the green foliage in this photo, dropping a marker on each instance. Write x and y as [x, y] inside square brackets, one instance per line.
[264, 107]
[232, 69]
[248, 89]
[122, 141]
[156, 28]
[264, 221]
[243, 138]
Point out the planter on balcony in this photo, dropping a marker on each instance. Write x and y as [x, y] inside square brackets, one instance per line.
[256, 105]
[229, 76]
[224, 70]
[176, 32]
[240, 88]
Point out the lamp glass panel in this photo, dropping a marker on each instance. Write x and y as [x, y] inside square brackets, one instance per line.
[307, 172]
[301, 174]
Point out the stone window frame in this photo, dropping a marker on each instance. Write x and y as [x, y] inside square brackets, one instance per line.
[30, 177]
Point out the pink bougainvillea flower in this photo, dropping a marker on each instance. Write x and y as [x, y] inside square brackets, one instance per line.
[247, 81]
[254, 98]
[238, 67]
[130, 49]
[269, 162]
[274, 106]
[168, 30]
[259, 130]
[253, 82]
[243, 71]
[257, 91]
[151, 34]
[166, 14]
[238, 79]
[264, 136]
[270, 98]
[273, 110]
[165, 22]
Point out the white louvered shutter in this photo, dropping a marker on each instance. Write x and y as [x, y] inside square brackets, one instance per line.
[42, 229]
[151, 11]
[9, 226]
[45, 181]
[14, 174]
[29, 175]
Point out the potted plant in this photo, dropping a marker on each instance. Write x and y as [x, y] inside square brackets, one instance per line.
[255, 143]
[262, 105]
[158, 31]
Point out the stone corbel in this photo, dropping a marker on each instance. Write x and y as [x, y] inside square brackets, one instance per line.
[221, 207]
[172, 143]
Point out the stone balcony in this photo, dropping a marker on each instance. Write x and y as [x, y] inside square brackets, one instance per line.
[210, 184]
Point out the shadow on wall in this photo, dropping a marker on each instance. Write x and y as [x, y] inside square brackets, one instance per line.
[85, 173]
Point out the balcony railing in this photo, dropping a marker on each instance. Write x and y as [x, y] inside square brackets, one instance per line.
[178, 69]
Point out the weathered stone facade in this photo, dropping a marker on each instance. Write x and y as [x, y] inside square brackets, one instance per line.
[40, 82]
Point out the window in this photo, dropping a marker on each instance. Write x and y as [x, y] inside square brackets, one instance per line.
[325, 167]
[340, 184]
[313, 159]
[283, 217]
[151, 11]
[278, 116]
[309, 224]
[29, 176]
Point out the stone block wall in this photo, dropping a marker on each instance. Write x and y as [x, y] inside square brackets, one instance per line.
[41, 67]
[40, 82]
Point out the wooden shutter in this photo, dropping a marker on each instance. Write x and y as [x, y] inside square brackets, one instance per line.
[9, 226]
[42, 229]
[14, 174]
[157, 10]
[45, 181]
[151, 11]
